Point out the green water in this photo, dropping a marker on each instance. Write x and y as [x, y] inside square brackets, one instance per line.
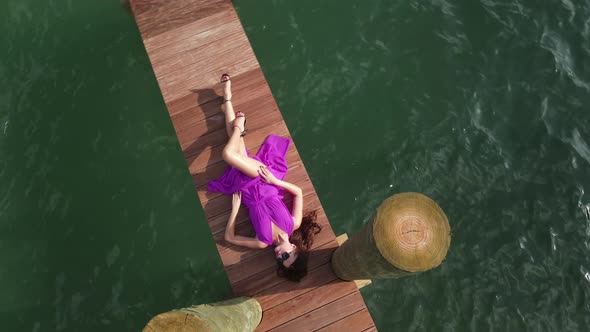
[481, 105]
[100, 225]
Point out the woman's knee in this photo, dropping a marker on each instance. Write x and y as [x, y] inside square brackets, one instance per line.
[228, 155]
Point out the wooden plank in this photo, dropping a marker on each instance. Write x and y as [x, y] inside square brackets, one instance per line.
[259, 262]
[206, 73]
[301, 305]
[196, 42]
[275, 296]
[141, 6]
[177, 36]
[209, 117]
[326, 314]
[264, 280]
[200, 159]
[169, 15]
[205, 103]
[213, 133]
[169, 67]
[359, 321]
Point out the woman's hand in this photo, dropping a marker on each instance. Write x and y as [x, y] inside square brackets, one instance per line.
[236, 200]
[267, 176]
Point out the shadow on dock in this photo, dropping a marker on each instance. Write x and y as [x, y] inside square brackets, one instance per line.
[210, 143]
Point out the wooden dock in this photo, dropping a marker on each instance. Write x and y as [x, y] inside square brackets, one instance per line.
[190, 43]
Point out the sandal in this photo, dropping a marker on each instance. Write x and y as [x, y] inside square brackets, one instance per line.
[245, 131]
[224, 78]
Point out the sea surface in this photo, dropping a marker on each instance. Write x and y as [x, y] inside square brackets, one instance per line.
[100, 225]
[481, 105]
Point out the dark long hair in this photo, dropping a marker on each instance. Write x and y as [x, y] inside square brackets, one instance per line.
[303, 239]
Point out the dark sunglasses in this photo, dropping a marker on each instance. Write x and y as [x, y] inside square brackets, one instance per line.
[284, 257]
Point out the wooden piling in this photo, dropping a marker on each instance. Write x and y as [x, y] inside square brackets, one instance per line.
[239, 314]
[408, 233]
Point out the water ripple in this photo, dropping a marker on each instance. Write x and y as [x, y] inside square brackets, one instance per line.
[444, 6]
[585, 273]
[575, 140]
[567, 4]
[564, 61]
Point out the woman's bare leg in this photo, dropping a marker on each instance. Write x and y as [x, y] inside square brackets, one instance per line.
[233, 157]
[234, 153]
[228, 109]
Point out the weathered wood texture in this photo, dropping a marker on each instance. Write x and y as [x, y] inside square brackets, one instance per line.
[190, 43]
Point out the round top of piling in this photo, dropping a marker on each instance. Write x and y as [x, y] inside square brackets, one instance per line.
[412, 232]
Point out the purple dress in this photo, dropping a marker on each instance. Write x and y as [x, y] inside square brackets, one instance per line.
[264, 201]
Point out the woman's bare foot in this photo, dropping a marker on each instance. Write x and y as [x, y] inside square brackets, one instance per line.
[226, 106]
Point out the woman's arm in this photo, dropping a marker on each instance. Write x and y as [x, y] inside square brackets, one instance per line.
[297, 193]
[230, 235]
